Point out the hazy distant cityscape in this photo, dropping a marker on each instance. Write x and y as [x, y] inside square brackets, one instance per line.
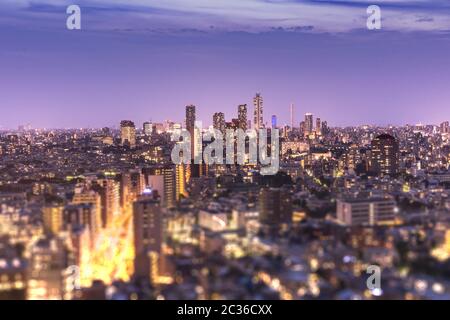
[245, 151]
[105, 214]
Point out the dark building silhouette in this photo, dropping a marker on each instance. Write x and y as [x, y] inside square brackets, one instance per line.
[275, 206]
[195, 170]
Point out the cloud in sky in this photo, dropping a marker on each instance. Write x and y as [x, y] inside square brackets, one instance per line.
[317, 54]
[240, 15]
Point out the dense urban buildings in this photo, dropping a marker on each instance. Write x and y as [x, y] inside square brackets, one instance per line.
[331, 180]
[105, 213]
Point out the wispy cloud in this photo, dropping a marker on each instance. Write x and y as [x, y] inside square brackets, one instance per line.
[246, 15]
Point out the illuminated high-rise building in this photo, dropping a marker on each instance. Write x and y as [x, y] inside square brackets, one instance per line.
[132, 184]
[445, 128]
[170, 199]
[86, 196]
[180, 181]
[285, 131]
[194, 169]
[148, 233]
[128, 133]
[302, 127]
[190, 126]
[163, 181]
[242, 116]
[125, 190]
[53, 218]
[109, 191]
[137, 182]
[318, 126]
[325, 127]
[384, 155]
[219, 121]
[83, 214]
[274, 121]
[352, 157]
[309, 123]
[190, 119]
[258, 112]
[147, 128]
[81, 247]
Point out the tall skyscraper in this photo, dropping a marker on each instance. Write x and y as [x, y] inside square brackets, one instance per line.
[137, 182]
[445, 127]
[190, 119]
[190, 126]
[219, 121]
[126, 197]
[83, 214]
[180, 181]
[384, 155]
[86, 196]
[109, 191]
[53, 218]
[258, 113]
[274, 121]
[318, 126]
[352, 157]
[147, 127]
[148, 233]
[163, 181]
[302, 127]
[128, 133]
[169, 187]
[324, 127]
[194, 169]
[242, 116]
[309, 123]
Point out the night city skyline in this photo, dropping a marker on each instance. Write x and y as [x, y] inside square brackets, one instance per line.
[246, 151]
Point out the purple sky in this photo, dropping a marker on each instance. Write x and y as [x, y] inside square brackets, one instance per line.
[127, 65]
